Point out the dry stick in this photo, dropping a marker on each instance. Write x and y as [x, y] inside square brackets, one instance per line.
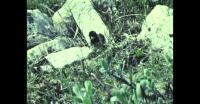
[49, 9]
[123, 69]
[76, 32]
[128, 15]
[97, 79]
[124, 81]
[102, 84]
[121, 78]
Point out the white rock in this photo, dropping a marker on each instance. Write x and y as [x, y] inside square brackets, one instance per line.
[87, 19]
[38, 52]
[67, 56]
[157, 27]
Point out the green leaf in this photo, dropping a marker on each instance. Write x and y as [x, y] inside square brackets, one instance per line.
[139, 53]
[76, 100]
[104, 63]
[87, 100]
[115, 91]
[118, 70]
[76, 89]
[114, 99]
[102, 70]
[144, 83]
[138, 91]
[124, 89]
[119, 93]
[134, 97]
[88, 87]
[146, 74]
[160, 101]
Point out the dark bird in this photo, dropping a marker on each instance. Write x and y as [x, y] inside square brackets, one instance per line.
[96, 39]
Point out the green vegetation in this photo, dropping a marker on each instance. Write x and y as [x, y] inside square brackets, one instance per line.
[129, 73]
[83, 95]
[46, 6]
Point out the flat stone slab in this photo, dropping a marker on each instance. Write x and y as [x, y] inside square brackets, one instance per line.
[68, 56]
[158, 27]
[35, 54]
[85, 16]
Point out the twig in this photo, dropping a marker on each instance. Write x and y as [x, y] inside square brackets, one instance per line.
[76, 32]
[128, 15]
[124, 62]
[123, 80]
[104, 86]
[97, 79]
[46, 7]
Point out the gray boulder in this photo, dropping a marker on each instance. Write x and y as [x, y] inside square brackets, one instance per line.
[39, 28]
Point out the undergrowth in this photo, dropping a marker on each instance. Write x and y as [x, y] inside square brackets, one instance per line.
[129, 73]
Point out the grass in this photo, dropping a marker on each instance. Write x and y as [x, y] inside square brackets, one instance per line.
[120, 75]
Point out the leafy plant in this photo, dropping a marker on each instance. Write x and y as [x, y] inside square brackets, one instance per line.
[139, 53]
[104, 66]
[83, 95]
[120, 95]
[45, 6]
